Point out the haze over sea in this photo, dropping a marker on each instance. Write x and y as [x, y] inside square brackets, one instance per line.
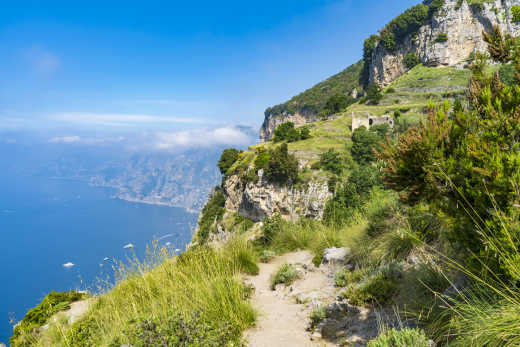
[45, 223]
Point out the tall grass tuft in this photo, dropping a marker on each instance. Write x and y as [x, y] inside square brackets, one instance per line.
[200, 289]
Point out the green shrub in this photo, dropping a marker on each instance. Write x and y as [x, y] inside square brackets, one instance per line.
[337, 103]
[331, 161]
[341, 208]
[507, 73]
[401, 338]
[363, 143]
[286, 274]
[266, 256]
[411, 60]
[515, 13]
[287, 132]
[441, 37]
[227, 159]
[272, 226]
[262, 159]
[364, 178]
[212, 211]
[373, 94]
[345, 277]
[318, 315]
[403, 25]
[282, 167]
[175, 330]
[390, 90]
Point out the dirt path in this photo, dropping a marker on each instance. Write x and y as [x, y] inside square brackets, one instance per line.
[284, 313]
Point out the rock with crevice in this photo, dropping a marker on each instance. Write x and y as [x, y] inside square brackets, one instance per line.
[461, 24]
[335, 255]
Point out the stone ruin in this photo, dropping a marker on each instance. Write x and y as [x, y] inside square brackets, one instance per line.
[368, 120]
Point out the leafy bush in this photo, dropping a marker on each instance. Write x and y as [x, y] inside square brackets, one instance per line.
[331, 161]
[262, 159]
[403, 25]
[441, 37]
[411, 60]
[515, 13]
[227, 159]
[507, 74]
[176, 330]
[341, 208]
[272, 226]
[212, 211]
[374, 94]
[286, 274]
[364, 178]
[282, 167]
[401, 338]
[337, 103]
[287, 132]
[363, 143]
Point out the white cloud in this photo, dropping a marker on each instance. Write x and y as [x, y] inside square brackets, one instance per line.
[86, 141]
[114, 119]
[65, 139]
[201, 138]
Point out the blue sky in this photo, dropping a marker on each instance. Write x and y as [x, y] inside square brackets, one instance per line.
[156, 65]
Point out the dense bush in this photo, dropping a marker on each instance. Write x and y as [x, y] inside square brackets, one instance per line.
[364, 178]
[227, 159]
[336, 103]
[212, 211]
[331, 161]
[287, 132]
[340, 209]
[403, 25]
[469, 158]
[515, 13]
[262, 159]
[282, 167]
[363, 143]
[411, 60]
[374, 94]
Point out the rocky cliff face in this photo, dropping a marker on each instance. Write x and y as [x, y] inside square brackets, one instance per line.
[462, 26]
[271, 122]
[256, 201]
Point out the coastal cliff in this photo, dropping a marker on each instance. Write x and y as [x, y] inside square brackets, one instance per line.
[451, 37]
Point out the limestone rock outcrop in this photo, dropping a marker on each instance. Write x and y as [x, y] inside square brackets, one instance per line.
[461, 27]
[262, 199]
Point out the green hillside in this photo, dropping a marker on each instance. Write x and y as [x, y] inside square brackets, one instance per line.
[313, 100]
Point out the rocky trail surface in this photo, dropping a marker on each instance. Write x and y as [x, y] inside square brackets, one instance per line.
[284, 312]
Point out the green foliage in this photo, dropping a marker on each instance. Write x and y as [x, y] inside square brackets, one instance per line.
[331, 161]
[401, 338]
[441, 37]
[368, 50]
[364, 178]
[507, 74]
[515, 13]
[36, 317]
[411, 60]
[403, 25]
[287, 132]
[336, 103]
[470, 158]
[364, 142]
[227, 159]
[175, 330]
[286, 274]
[313, 100]
[374, 95]
[262, 159]
[341, 208]
[318, 315]
[272, 226]
[376, 286]
[282, 167]
[212, 211]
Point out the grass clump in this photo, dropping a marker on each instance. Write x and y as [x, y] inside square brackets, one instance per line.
[401, 338]
[318, 315]
[212, 212]
[286, 274]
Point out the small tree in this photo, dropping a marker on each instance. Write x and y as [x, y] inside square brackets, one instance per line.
[411, 60]
[363, 143]
[227, 159]
[332, 161]
[282, 167]
[374, 94]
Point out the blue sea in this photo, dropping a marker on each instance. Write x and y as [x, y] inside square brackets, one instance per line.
[45, 223]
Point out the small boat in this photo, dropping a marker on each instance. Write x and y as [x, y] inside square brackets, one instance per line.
[68, 265]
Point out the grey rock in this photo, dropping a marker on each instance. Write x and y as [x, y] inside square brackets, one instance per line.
[260, 200]
[463, 27]
[335, 255]
[2, 344]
